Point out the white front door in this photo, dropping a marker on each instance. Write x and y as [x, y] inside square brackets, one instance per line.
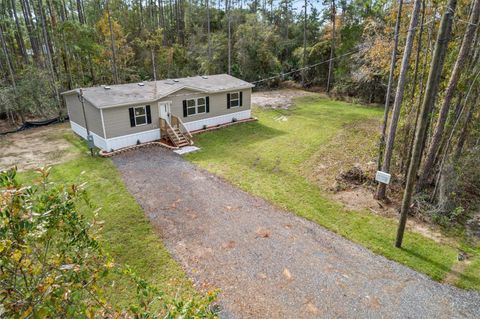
[164, 110]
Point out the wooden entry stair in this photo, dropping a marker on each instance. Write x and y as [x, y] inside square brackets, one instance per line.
[176, 132]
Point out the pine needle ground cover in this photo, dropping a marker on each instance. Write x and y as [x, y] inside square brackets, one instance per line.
[267, 158]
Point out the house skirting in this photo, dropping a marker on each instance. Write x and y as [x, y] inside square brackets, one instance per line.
[222, 119]
[115, 143]
[99, 141]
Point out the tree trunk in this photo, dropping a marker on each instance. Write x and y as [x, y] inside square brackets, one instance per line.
[141, 12]
[393, 62]
[304, 42]
[413, 112]
[381, 190]
[11, 73]
[112, 40]
[452, 84]
[34, 43]
[463, 134]
[332, 48]
[49, 55]
[430, 96]
[285, 13]
[81, 18]
[66, 63]
[19, 33]
[208, 38]
[49, 49]
[228, 4]
[442, 170]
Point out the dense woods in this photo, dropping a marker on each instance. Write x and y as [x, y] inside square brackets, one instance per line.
[424, 55]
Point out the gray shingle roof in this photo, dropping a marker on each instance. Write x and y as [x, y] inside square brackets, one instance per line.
[124, 94]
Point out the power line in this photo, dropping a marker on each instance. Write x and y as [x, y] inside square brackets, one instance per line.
[326, 61]
[305, 68]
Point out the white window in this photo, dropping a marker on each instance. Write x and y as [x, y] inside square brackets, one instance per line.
[191, 107]
[140, 115]
[196, 106]
[201, 105]
[234, 99]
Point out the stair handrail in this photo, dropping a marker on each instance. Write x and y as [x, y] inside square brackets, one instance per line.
[182, 125]
[171, 128]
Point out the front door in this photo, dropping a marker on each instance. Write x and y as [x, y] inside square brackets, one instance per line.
[164, 110]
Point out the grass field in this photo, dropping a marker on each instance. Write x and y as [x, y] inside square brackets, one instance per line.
[267, 158]
[127, 235]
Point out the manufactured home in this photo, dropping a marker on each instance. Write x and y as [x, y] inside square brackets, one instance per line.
[123, 115]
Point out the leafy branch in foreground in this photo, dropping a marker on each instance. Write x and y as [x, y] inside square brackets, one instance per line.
[51, 263]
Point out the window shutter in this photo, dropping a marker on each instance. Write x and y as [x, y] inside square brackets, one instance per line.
[228, 100]
[132, 117]
[149, 114]
[207, 101]
[241, 98]
[184, 108]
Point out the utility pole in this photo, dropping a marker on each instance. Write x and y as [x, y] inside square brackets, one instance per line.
[304, 42]
[429, 99]
[332, 48]
[89, 137]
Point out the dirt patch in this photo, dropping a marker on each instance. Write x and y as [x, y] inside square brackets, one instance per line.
[6, 126]
[346, 172]
[455, 273]
[278, 99]
[36, 147]
[343, 154]
[361, 198]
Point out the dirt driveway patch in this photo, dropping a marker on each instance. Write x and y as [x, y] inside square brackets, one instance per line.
[278, 99]
[36, 147]
[269, 263]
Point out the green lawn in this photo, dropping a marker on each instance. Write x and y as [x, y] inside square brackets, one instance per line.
[126, 235]
[267, 158]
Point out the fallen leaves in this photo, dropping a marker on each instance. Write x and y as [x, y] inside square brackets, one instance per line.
[263, 232]
[287, 274]
[229, 245]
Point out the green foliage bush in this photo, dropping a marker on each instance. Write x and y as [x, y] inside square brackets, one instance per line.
[51, 264]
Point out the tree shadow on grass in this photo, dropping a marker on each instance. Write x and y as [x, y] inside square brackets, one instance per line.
[440, 266]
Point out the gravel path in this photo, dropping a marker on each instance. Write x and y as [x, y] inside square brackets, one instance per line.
[269, 263]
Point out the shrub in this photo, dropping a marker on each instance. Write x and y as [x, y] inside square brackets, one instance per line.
[51, 264]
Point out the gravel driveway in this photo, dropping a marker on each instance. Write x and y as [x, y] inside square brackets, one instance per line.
[269, 263]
